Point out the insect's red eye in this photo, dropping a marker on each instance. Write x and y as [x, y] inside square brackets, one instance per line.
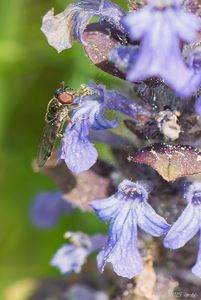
[65, 98]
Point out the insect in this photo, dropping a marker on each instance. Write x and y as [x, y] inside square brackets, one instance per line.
[57, 114]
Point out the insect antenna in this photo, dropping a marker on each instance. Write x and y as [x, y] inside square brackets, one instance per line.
[62, 83]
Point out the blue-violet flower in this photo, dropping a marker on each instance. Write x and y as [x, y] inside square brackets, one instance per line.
[126, 209]
[61, 30]
[123, 57]
[71, 257]
[84, 292]
[188, 224]
[47, 208]
[76, 147]
[162, 26]
[198, 106]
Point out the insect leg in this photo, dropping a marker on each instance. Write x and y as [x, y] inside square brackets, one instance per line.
[49, 121]
[69, 120]
[60, 134]
[73, 106]
[83, 91]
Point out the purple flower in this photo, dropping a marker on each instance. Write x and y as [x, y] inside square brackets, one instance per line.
[194, 62]
[48, 208]
[197, 267]
[77, 292]
[161, 27]
[76, 148]
[194, 59]
[188, 224]
[61, 30]
[123, 57]
[71, 257]
[126, 209]
[113, 140]
[198, 106]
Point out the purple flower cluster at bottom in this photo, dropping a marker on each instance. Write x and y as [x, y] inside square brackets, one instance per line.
[127, 209]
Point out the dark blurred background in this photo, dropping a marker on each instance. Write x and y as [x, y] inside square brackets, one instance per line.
[30, 72]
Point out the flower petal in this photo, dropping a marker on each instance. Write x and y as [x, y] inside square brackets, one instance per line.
[149, 221]
[194, 59]
[134, 24]
[101, 122]
[184, 228]
[69, 258]
[76, 148]
[123, 56]
[121, 249]
[198, 106]
[197, 267]
[107, 137]
[118, 102]
[186, 24]
[114, 100]
[92, 109]
[84, 292]
[108, 208]
[97, 242]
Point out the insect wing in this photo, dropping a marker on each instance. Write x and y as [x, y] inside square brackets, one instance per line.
[51, 129]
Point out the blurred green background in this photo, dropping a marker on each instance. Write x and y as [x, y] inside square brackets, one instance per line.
[30, 72]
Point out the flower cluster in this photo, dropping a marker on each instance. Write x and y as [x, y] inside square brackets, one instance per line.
[127, 209]
[157, 50]
[160, 27]
[71, 257]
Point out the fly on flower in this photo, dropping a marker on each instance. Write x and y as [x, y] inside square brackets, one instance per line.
[58, 110]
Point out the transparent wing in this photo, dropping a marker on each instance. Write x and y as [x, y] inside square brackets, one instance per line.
[48, 141]
[50, 131]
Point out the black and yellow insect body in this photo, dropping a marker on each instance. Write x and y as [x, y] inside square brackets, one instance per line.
[57, 114]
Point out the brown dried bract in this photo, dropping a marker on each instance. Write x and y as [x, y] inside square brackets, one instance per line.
[171, 162]
[100, 39]
[82, 188]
